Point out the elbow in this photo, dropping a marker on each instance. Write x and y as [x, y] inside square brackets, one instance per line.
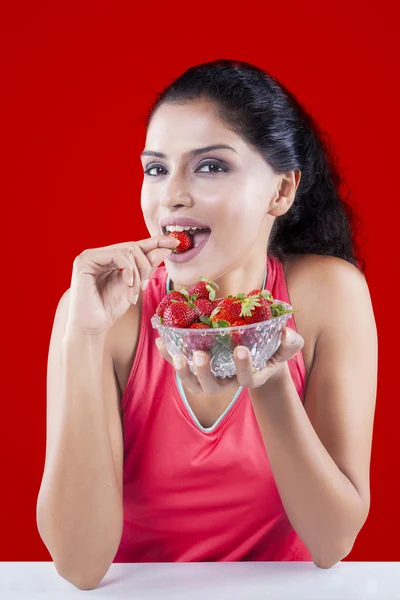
[330, 558]
[327, 558]
[86, 580]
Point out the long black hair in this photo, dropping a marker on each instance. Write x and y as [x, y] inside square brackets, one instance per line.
[256, 106]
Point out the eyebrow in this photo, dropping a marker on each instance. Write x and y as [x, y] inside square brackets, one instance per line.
[191, 152]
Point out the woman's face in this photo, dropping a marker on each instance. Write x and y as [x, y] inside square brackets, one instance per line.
[229, 190]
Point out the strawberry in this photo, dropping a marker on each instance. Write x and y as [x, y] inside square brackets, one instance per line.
[199, 325]
[167, 300]
[227, 309]
[180, 314]
[247, 338]
[236, 337]
[199, 342]
[256, 309]
[205, 307]
[185, 238]
[232, 304]
[204, 288]
[222, 314]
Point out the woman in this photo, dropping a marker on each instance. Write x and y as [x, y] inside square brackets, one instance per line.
[152, 462]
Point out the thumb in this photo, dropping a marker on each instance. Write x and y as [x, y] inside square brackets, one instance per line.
[291, 343]
[158, 255]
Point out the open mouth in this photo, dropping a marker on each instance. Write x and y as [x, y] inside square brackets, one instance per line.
[198, 234]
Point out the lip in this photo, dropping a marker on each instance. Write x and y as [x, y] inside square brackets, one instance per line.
[182, 222]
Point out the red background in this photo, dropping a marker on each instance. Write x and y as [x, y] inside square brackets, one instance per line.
[78, 82]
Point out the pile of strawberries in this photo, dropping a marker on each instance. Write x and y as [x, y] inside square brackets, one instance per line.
[199, 309]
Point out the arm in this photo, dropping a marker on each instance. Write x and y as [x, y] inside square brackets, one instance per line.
[79, 506]
[320, 453]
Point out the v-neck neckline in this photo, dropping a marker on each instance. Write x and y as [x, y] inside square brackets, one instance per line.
[185, 406]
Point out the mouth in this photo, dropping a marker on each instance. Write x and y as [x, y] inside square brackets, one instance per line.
[200, 240]
[166, 230]
[175, 223]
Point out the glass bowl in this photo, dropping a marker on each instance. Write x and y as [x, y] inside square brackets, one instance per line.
[262, 339]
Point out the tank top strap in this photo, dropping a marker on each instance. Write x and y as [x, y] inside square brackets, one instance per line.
[280, 291]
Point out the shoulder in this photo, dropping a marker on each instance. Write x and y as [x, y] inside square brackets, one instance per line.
[327, 285]
[321, 265]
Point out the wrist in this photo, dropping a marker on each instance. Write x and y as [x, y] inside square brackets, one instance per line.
[281, 375]
[274, 385]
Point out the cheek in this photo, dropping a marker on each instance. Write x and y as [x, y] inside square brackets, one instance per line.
[148, 205]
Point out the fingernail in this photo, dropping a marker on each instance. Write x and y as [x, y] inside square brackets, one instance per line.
[135, 299]
[290, 336]
[178, 362]
[241, 353]
[199, 359]
[144, 284]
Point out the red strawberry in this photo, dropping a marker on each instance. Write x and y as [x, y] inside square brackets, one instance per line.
[247, 338]
[180, 314]
[232, 304]
[236, 337]
[185, 238]
[222, 314]
[227, 309]
[205, 307]
[199, 326]
[199, 342]
[204, 289]
[167, 300]
[256, 309]
[262, 294]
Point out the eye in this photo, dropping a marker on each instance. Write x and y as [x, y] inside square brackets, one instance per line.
[215, 164]
[147, 171]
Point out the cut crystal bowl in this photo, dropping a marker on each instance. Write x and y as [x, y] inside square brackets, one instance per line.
[262, 339]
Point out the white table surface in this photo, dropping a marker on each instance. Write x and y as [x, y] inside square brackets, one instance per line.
[210, 581]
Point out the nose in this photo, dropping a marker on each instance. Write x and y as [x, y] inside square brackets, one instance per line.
[175, 193]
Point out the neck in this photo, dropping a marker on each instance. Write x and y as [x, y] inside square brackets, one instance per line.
[240, 279]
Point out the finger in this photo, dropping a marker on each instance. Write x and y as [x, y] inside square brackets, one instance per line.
[151, 252]
[186, 376]
[100, 261]
[148, 244]
[182, 368]
[141, 268]
[163, 351]
[208, 381]
[158, 248]
[130, 273]
[127, 269]
[244, 367]
[148, 253]
[288, 348]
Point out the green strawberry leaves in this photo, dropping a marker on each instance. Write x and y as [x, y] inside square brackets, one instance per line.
[214, 324]
[248, 305]
[278, 309]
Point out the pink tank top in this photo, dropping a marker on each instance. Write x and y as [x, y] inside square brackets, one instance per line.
[191, 493]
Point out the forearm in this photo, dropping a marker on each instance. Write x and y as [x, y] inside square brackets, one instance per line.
[321, 503]
[79, 510]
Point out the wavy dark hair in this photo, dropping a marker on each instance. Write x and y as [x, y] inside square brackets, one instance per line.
[256, 106]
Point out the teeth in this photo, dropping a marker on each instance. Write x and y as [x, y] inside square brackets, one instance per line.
[180, 228]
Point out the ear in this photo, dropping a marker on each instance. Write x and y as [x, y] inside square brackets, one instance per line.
[287, 186]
